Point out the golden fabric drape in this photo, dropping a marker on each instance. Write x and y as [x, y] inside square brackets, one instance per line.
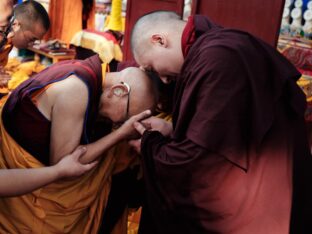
[66, 19]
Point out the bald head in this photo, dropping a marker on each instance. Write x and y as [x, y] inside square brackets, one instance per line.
[30, 13]
[143, 94]
[156, 44]
[31, 23]
[155, 22]
[127, 93]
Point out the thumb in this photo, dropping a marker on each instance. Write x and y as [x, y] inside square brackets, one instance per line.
[139, 127]
[89, 166]
[79, 151]
[143, 115]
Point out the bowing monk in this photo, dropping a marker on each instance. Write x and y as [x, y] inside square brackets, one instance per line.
[48, 116]
[15, 182]
[236, 158]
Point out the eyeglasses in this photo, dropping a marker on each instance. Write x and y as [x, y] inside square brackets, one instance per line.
[128, 100]
[6, 32]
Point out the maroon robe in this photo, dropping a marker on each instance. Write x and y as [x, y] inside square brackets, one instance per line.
[25, 123]
[238, 159]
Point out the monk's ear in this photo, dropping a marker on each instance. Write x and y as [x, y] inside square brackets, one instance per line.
[119, 90]
[159, 39]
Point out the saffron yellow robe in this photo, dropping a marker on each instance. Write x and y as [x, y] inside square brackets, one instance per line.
[66, 206]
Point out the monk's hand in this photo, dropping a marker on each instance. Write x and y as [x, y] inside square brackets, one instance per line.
[140, 127]
[155, 124]
[70, 166]
[127, 130]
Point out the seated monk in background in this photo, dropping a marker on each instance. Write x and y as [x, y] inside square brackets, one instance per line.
[29, 22]
[48, 116]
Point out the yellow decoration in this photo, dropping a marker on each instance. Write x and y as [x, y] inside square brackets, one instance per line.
[305, 83]
[107, 49]
[115, 19]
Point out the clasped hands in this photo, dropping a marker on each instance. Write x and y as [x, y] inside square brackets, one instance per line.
[135, 127]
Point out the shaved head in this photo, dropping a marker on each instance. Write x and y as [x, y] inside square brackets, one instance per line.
[156, 44]
[31, 23]
[127, 93]
[30, 13]
[143, 94]
[156, 21]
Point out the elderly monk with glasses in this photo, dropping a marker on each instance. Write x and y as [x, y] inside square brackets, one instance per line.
[52, 113]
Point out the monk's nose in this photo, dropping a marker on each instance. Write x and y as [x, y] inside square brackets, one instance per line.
[11, 34]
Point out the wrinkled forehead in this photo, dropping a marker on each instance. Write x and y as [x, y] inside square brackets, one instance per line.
[6, 11]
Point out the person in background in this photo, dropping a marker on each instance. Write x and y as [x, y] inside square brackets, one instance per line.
[236, 158]
[30, 22]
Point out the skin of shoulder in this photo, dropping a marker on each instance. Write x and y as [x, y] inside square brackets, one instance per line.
[64, 104]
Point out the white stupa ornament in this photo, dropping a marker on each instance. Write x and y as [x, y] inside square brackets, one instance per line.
[309, 5]
[286, 17]
[298, 4]
[288, 3]
[296, 27]
[307, 27]
[296, 15]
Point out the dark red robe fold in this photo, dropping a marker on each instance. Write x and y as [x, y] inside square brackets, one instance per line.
[238, 159]
[28, 126]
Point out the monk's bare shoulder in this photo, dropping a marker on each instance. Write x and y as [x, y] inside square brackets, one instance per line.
[69, 95]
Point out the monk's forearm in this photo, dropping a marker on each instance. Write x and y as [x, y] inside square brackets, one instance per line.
[99, 147]
[14, 182]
